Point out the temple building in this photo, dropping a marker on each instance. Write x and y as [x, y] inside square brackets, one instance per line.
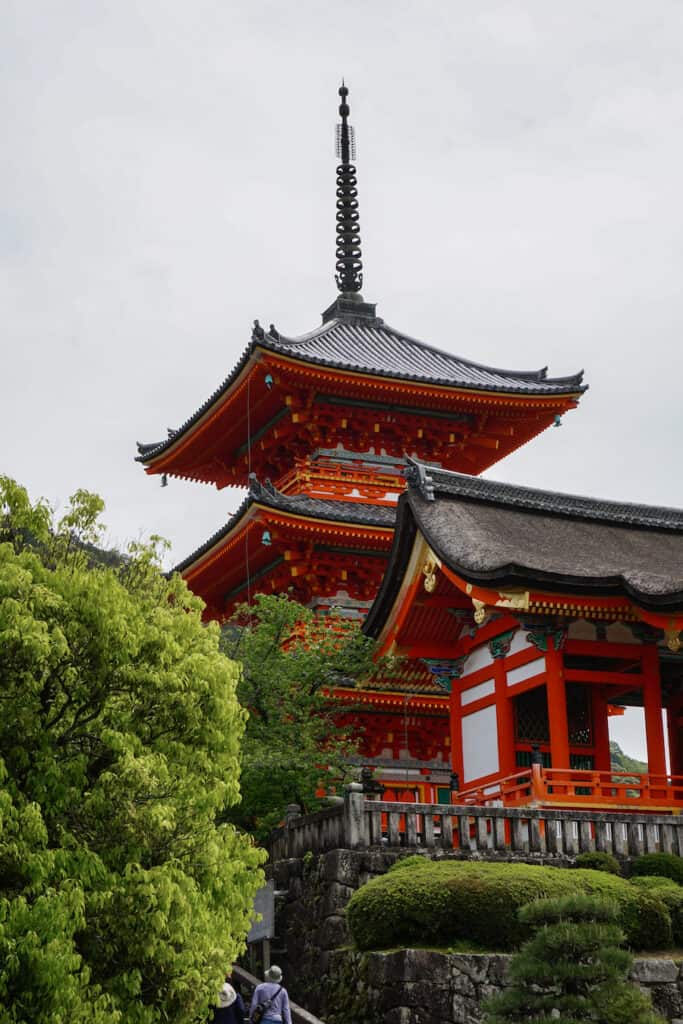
[540, 614]
[318, 428]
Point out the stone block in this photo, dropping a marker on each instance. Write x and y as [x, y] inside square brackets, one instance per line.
[464, 1011]
[377, 862]
[667, 1000]
[398, 1015]
[342, 866]
[499, 969]
[335, 899]
[654, 972]
[423, 963]
[333, 933]
[433, 1001]
[295, 890]
[386, 969]
[472, 965]
[463, 986]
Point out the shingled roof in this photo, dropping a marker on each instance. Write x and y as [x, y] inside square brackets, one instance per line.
[499, 535]
[369, 345]
[353, 512]
[354, 339]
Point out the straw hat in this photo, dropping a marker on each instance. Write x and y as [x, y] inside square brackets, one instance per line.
[227, 995]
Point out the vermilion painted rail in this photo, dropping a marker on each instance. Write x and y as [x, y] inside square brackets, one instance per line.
[560, 787]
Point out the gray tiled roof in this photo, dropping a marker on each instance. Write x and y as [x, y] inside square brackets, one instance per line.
[354, 512]
[366, 344]
[371, 346]
[492, 492]
[500, 535]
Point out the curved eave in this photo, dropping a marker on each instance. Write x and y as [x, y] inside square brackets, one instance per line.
[247, 512]
[148, 455]
[510, 576]
[568, 389]
[405, 533]
[517, 576]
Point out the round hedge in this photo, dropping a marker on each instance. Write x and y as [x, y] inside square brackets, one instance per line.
[598, 861]
[438, 903]
[670, 894]
[668, 865]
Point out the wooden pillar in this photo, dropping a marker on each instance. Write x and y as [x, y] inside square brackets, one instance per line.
[457, 764]
[504, 720]
[600, 729]
[652, 700]
[557, 707]
[673, 715]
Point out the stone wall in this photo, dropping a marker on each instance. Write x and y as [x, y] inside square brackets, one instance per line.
[415, 986]
[406, 987]
[310, 922]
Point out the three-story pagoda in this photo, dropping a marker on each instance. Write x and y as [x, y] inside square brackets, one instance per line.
[318, 428]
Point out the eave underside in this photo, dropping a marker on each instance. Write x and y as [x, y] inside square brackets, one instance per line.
[294, 406]
[268, 550]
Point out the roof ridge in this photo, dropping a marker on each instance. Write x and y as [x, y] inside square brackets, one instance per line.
[267, 494]
[275, 342]
[431, 480]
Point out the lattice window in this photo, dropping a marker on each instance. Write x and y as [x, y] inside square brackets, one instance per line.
[579, 719]
[523, 758]
[531, 716]
[582, 763]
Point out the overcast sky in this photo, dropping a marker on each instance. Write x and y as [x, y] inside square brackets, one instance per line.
[168, 175]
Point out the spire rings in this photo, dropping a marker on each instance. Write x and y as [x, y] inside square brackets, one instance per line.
[349, 264]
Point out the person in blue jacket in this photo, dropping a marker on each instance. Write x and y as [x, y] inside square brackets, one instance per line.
[272, 992]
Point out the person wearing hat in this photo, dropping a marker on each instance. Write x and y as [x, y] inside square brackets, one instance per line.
[272, 996]
[230, 1008]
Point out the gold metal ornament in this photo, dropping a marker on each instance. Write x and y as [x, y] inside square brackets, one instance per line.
[479, 611]
[673, 640]
[429, 570]
[517, 600]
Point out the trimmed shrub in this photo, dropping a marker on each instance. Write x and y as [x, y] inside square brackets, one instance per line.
[572, 970]
[668, 865]
[649, 882]
[438, 903]
[670, 894]
[415, 860]
[599, 861]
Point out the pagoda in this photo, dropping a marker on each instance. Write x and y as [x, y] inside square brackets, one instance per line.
[318, 428]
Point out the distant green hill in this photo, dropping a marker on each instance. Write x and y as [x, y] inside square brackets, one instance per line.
[621, 762]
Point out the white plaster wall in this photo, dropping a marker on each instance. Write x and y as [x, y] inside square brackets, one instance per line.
[618, 633]
[480, 743]
[519, 643]
[532, 668]
[581, 630]
[478, 659]
[484, 689]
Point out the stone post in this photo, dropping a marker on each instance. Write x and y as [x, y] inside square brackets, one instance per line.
[353, 816]
[292, 812]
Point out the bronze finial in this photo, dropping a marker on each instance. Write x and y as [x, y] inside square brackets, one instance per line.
[349, 274]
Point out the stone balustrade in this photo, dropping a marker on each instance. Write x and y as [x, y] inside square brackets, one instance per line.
[360, 823]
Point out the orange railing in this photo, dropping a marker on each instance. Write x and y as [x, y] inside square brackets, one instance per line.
[568, 787]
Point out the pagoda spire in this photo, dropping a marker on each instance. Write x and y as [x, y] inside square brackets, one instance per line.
[349, 276]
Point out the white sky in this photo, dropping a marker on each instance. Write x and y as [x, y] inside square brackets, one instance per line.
[168, 175]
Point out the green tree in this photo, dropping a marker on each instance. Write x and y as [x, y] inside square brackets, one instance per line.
[291, 660]
[121, 898]
[572, 970]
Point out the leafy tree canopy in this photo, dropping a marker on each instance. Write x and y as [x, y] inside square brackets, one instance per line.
[121, 899]
[293, 745]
